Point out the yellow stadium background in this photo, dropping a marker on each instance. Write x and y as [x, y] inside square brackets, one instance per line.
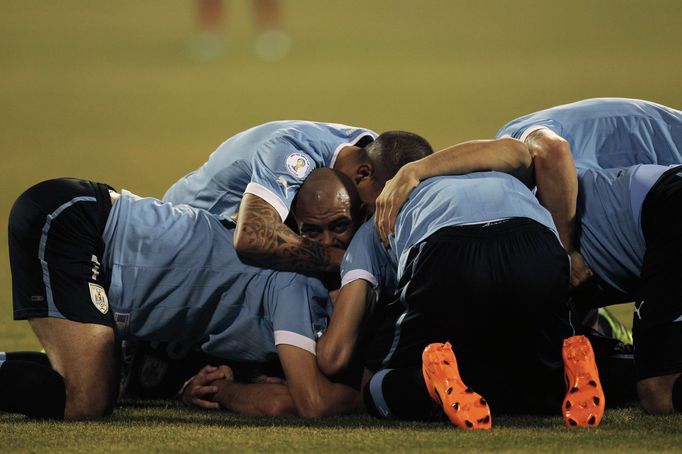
[112, 91]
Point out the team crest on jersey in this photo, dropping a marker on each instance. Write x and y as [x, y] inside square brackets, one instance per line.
[298, 165]
[99, 297]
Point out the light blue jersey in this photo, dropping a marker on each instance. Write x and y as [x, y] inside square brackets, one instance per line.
[367, 258]
[270, 161]
[176, 277]
[436, 203]
[609, 132]
[609, 209]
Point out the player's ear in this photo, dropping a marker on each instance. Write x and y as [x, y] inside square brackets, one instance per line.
[365, 171]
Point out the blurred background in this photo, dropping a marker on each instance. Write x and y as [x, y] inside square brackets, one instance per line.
[136, 94]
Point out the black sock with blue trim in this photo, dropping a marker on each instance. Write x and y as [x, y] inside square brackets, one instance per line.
[400, 394]
[30, 387]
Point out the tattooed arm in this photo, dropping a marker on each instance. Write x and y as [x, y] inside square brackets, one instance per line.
[264, 240]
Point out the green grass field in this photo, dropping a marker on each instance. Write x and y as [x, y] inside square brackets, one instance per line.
[110, 91]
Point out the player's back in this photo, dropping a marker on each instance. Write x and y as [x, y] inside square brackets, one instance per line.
[459, 200]
[609, 132]
[268, 154]
[175, 276]
[609, 210]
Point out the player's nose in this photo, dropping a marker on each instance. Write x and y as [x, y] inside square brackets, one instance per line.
[329, 239]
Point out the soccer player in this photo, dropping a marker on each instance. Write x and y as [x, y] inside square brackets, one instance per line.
[594, 133]
[90, 266]
[605, 132]
[630, 228]
[475, 260]
[257, 174]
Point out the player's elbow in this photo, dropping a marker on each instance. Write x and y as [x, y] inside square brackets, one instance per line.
[312, 406]
[331, 366]
[331, 361]
[552, 148]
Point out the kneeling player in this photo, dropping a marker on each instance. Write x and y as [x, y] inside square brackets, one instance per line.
[630, 228]
[478, 263]
[90, 265]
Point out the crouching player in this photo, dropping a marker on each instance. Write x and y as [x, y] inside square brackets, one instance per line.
[630, 228]
[90, 266]
[479, 270]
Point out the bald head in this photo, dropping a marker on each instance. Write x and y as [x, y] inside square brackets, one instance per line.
[327, 208]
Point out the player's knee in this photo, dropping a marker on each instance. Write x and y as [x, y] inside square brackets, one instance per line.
[88, 401]
[80, 406]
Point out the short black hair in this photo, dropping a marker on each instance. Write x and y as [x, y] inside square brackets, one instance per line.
[393, 149]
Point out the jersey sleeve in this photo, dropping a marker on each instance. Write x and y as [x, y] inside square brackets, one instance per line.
[522, 127]
[367, 258]
[278, 171]
[301, 312]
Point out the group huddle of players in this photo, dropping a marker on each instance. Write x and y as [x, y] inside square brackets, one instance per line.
[254, 285]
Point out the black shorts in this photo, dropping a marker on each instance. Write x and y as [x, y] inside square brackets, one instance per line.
[499, 294]
[657, 322]
[56, 250]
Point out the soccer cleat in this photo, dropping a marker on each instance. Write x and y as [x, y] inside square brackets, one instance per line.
[584, 403]
[612, 327]
[463, 407]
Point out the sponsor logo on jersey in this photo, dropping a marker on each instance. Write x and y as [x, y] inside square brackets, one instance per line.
[298, 165]
[638, 308]
[281, 180]
[99, 297]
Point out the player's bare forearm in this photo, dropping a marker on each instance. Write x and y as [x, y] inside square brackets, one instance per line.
[336, 347]
[557, 181]
[254, 399]
[503, 155]
[264, 240]
[314, 394]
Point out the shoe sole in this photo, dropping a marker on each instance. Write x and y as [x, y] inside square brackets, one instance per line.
[464, 407]
[584, 403]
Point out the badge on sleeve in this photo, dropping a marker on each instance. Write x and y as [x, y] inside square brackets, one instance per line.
[99, 297]
[298, 165]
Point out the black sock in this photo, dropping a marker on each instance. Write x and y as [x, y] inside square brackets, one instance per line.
[31, 388]
[36, 357]
[616, 364]
[677, 395]
[400, 394]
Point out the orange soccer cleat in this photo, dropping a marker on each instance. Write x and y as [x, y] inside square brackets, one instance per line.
[464, 407]
[584, 402]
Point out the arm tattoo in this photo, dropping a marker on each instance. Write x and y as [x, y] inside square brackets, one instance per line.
[266, 241]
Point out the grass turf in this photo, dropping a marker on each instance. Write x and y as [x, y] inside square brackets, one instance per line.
[168, 427]
[111, 92]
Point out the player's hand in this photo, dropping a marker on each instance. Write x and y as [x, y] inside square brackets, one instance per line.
[201, 389]
[580, 272]
[392, 199]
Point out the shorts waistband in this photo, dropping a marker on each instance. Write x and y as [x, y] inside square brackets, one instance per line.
[485, 228]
